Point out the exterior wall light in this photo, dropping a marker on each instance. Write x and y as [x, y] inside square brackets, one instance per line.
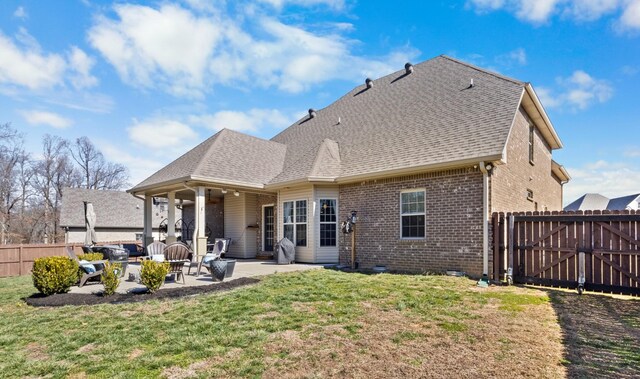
[236, 193]
[354, 217]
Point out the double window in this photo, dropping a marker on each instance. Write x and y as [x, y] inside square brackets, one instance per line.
[328, 222]
[295, 221]
[412, 214]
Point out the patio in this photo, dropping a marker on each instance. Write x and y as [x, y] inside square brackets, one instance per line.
[244, 268]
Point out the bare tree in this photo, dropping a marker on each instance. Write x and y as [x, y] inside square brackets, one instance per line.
[12, 156]
[96, 172]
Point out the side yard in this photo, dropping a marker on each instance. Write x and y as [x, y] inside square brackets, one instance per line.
[324, 323]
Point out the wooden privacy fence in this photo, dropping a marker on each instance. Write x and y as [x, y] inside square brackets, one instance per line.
[18, 260]
[555, 248]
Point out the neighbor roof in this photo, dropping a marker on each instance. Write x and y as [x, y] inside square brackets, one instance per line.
[428, 117]
[114, 209]
[595, 201]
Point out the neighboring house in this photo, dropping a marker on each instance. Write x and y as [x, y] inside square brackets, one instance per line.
[119, 215]
[595, 201]
[424, 155]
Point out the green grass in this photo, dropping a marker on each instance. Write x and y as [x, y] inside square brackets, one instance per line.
[233, 331]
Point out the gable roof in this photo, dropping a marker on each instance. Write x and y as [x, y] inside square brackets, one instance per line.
[114, 209]
[226, 157]
[621, 203]
[429, 117]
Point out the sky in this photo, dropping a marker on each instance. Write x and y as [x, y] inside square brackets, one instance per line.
[148, 80]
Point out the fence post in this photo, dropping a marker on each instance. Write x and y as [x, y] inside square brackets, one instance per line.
[510, 242]
[20, 261]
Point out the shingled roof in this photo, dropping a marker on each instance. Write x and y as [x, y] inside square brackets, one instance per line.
[442, 114]
[114, 209]
[428, 117]
[227, 156]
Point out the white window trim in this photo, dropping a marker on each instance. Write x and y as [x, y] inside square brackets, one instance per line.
[424, 190]
[294, 222]
[320, 222]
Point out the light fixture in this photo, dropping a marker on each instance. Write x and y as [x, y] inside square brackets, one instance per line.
[236, 193]
[223, 191]
[354, 217]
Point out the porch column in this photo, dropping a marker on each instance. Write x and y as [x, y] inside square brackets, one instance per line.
[148, 220]
[199, 237]
[171, 219]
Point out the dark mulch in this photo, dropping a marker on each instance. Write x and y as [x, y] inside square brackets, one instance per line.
[58, 300]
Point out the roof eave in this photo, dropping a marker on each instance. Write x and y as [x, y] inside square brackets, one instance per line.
[536, 112]
[560, 171]
[196, 178]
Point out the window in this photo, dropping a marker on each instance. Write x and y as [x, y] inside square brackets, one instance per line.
[529, 195]
[295, 221]
[531, 138]
[412, 214]
[328, 222]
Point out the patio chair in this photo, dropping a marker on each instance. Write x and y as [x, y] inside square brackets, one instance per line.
[177, 254]
[88, 267]
[216, 250]
[155, 251]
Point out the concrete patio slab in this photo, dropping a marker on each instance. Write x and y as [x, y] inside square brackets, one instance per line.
[244, 268]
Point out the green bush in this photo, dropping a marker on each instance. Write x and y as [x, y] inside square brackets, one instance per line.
[54, 274]
[153, 273]
[111, 277]
[91, 257]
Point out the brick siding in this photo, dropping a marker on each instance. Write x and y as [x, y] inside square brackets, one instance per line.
[509, 183]
[453, 223]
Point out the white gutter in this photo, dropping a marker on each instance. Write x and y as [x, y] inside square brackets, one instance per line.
[485, 217]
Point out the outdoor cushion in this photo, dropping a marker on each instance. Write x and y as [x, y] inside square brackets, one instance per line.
[157, 257]
[208, 258]
[87, 267]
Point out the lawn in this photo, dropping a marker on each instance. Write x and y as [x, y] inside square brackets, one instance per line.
[319, 323]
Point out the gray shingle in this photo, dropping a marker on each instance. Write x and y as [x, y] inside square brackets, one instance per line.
[226, 156]
[114, 209]
[426, 117]
[588, 202]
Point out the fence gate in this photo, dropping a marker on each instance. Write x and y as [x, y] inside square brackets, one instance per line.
[554, 248]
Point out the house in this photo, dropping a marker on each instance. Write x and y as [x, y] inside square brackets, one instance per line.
[595, 201]
[424, 155]
[119, 215]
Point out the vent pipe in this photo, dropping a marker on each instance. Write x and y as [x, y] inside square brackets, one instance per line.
[312, 113]
[369, 83]
[408, 67]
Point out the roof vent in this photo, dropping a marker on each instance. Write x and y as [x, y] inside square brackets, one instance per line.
[408, 67]
[312, 113]
[369, 83]
[471, 83]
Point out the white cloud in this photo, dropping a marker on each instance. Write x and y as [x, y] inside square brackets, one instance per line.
[34, 117]
[279, 4]
[161, 134]
[24, 64]
[140, 166]
[517, 56]
[541, 11]
[607, 178]
[80, 63]
[21, 13]
[148, 49]
[577, 92]
[28, 67]
[251, 121]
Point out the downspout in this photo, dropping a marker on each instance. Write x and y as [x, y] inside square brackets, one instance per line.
[486, 170]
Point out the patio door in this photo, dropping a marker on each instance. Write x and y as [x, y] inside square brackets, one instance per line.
[268, 227]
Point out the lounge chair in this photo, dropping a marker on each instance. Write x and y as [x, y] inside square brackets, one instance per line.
[91, 269]
[155, 251]
[177, 254]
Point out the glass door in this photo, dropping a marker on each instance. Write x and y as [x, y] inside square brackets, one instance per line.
[268, 220]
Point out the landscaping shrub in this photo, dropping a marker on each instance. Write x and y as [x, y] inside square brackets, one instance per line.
[153, 273]
[91, 257]
[111, 277]
[54, 274]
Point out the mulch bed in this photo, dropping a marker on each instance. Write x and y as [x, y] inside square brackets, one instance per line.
[58, 300]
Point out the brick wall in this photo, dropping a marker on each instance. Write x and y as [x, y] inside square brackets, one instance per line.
[453, 223]
[509, 183]
[264, 200]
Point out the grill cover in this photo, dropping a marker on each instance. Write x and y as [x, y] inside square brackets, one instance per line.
[286, 251]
